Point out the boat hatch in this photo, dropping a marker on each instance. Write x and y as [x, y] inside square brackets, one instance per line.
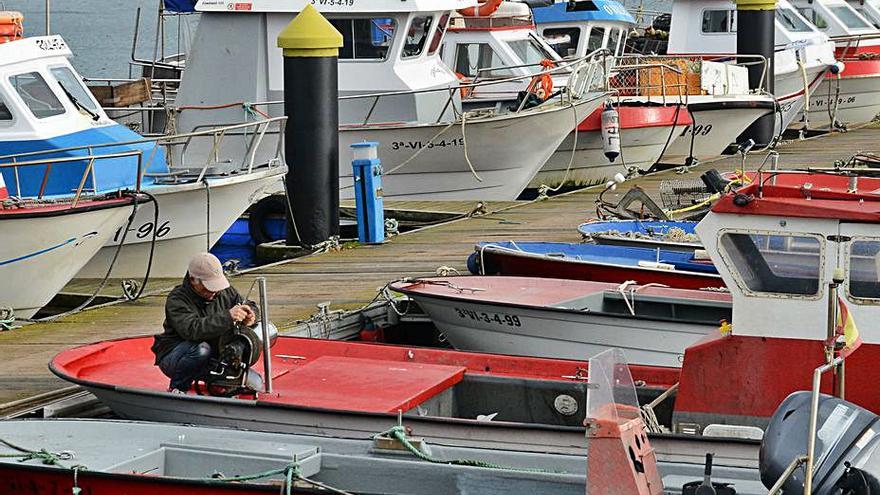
[183, 459]
[651, 306]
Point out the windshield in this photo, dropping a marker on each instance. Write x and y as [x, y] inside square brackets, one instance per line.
[74, 86]
[365, 38]
[791, 21]
[811, 15]
[848, 17]
[417, 36]
[530, 51]
[37, 95]
[774, 263]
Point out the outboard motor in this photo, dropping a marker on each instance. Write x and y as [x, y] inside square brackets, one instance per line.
[230, 373]
[847, 457]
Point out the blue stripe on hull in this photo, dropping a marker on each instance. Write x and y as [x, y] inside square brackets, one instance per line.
[37, 253]
[110, 175]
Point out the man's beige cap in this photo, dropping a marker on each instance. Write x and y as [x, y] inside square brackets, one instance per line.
[207, 268]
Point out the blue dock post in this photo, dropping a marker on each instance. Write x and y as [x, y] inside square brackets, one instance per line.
[368, 192]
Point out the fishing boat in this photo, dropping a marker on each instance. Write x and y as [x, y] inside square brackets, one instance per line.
[674, 235]
[504, 43]
[46, 241]
[394, 89]
[49, 113]
[803, 54]
[568, 319]
[715, 91]
[848, 97]
[599, 263]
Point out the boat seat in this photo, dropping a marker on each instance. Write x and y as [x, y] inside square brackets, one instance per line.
[365, 385]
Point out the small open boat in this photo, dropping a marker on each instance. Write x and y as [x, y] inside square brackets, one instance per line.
[671, 235]
[599, 263]
[568, 318]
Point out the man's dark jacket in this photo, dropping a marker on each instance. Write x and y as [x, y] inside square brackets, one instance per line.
[190, 317]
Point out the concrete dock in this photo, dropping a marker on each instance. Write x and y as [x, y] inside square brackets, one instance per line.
[350, 277]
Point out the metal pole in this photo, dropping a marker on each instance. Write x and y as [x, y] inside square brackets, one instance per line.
[48, 17]
[814, 414]
[264, 324]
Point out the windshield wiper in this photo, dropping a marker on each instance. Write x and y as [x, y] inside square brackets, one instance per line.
[79, 105]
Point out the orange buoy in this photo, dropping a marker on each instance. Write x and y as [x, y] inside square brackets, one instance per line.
[485, 9]
[542, 84]
[466, 91]
[11, 26]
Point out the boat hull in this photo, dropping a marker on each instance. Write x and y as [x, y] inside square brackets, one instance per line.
[184, 212]
[716, 125]
[41, 254]
[509, 262]
[645, 134]
[855, 93]
[505, 151]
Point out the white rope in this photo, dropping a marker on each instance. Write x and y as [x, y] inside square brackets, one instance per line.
[543, 189]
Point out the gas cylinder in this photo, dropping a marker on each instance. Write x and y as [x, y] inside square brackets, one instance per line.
[610, 132]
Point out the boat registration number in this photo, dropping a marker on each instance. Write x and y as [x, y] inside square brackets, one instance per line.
[497, 318]
[417, 145]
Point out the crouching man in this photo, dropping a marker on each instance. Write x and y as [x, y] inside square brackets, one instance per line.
[198, 313]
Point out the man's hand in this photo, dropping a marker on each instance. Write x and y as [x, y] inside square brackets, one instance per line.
[239, 313]
[251, 316]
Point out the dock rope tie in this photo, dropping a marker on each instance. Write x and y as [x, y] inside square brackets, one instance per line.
[399, 434]
[43, 455]
[7, 319]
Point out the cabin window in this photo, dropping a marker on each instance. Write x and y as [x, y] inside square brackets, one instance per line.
[37, 95]
[417, 36]
[563, 40]
[866, 15]
[849, 17]
[470, 58]
[5, 114]
[438, 34]
[791, 21]
[613, 40]
[530, 51]
[719, 21]
[596, 40]
[774, 263]
[73, 85]
[365, 39]
[816, 18]
[864, 269]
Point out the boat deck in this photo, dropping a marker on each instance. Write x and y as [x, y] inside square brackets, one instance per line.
[349, 278]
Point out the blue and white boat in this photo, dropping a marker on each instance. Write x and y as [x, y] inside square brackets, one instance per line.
[47, 112]
[670, 235]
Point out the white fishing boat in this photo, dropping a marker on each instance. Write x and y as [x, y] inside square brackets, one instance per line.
[504, 44]
[803, 54]
[849, 97]
[46, 111]
[47, 240]
[394, 89]
[716, 92]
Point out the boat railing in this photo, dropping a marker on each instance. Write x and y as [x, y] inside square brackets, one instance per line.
[585, 74]
[690, 66]
[50, 164]
[253, 133]
[853, 41]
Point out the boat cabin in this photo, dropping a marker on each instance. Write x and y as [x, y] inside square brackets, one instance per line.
[835, 17]
[500, 46]
[778, 247]
[578, 28]
[389, 46]
[869, 9]
[44, 105]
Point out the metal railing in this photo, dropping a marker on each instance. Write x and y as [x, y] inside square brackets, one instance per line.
[254, 133]
[853, 41]
[88, 172]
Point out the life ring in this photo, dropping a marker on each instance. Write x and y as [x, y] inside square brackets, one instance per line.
[11, 26]
[466, 91]
[542, 84]
[485, 9]
[274, 205]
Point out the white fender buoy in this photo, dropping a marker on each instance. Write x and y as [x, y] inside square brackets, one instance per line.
[610, 132]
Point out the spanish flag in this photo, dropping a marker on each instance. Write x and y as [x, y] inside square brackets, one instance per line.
[846, 331]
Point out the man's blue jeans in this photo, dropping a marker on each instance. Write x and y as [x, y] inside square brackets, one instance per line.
[185, 363]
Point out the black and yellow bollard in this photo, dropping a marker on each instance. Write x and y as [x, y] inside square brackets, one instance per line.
[756, 36]
[311, 51]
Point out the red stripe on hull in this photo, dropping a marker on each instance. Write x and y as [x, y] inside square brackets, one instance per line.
[635, 117]
[858, 68]
[750, 376]
[500, 264]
